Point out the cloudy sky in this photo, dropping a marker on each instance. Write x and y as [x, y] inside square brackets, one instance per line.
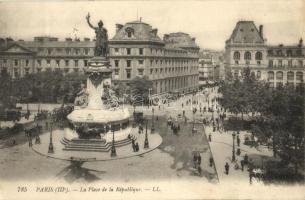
[210, 21]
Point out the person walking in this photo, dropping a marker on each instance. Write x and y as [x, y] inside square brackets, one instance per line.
[246, 159]
[211, 161]
[137, 147]
[210, 137]
[242, 164]
[227, 168]
[238, 140]
[30, 142]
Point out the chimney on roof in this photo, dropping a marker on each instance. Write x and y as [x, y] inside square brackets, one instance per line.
[69, 39]
[301, 42]
[165, 37]
[193, 39]
[118, 27]
[261, 29]
[86, 39]
[154, 31]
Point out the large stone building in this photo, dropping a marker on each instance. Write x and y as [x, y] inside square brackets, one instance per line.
[135, 50]
[171, 63]
[278, 65]
[45, 53]
[211, 67]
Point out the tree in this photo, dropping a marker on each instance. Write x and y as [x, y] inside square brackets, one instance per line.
[282, 119]
[141, 86]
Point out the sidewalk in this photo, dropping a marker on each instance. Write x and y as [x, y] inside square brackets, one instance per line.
[221, 148]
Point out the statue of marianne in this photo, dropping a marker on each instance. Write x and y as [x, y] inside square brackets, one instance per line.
[101, 44]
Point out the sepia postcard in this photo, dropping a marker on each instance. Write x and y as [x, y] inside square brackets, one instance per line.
[199, 99]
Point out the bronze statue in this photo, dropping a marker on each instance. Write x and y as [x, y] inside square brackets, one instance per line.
[101, 44]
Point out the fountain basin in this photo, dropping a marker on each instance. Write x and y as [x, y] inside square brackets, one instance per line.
[91, 116]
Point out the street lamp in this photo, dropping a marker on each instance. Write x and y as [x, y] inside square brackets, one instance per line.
[51, 148]
[113, 150]
[146, 144]
[149, 99]
[233, 151]
[153, 121]
[134, 108]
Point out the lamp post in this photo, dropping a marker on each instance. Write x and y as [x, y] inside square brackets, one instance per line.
[51, 148]
[146, 144]
[193, 118]
[233, 151]
[113, 150]
[149, 99]
[153, 121]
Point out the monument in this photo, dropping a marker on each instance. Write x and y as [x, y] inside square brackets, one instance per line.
[98, 122]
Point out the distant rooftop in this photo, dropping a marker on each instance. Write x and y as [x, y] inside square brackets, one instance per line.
[180, 40]
[136, 31]
[246, 32]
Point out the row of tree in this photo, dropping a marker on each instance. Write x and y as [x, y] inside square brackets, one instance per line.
[277, 113]
[56, 87]
[47, 87]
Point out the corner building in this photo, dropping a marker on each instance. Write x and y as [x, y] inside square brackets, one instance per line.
[278, 65]
[171, 63]
[20, 58]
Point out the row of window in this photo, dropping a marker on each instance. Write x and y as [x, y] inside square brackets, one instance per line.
[17, 72]
[156, 70]
[16, 62]
[169, 84]
[258, 62]
[153, 51]
[290, 75]
[48, 62]
[158, 62]
[282, 63]
[247, 55]
[288, 53]
[68, 51]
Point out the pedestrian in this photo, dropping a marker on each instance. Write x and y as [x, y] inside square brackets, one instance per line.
[133, 145]
[250, 176]
[246, 159]
[182, 105]
[238, 151]
[183, 112]
[137, 147]
[242, 164]
[238, 140]
[199, 159]
[211, 161]
[210, 137]
[227, 167]
[30, 142]
[195, 160]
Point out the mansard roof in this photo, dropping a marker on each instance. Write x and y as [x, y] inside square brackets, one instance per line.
[246, 32]
[57, 44]
[179, 40]
[17, 49]
[140, 32]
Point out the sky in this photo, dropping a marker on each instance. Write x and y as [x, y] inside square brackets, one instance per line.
[211, 22]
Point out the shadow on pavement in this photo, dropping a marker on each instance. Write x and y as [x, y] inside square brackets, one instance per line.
[75, 171]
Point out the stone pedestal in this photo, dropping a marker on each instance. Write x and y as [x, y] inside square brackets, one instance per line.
[99, 76]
